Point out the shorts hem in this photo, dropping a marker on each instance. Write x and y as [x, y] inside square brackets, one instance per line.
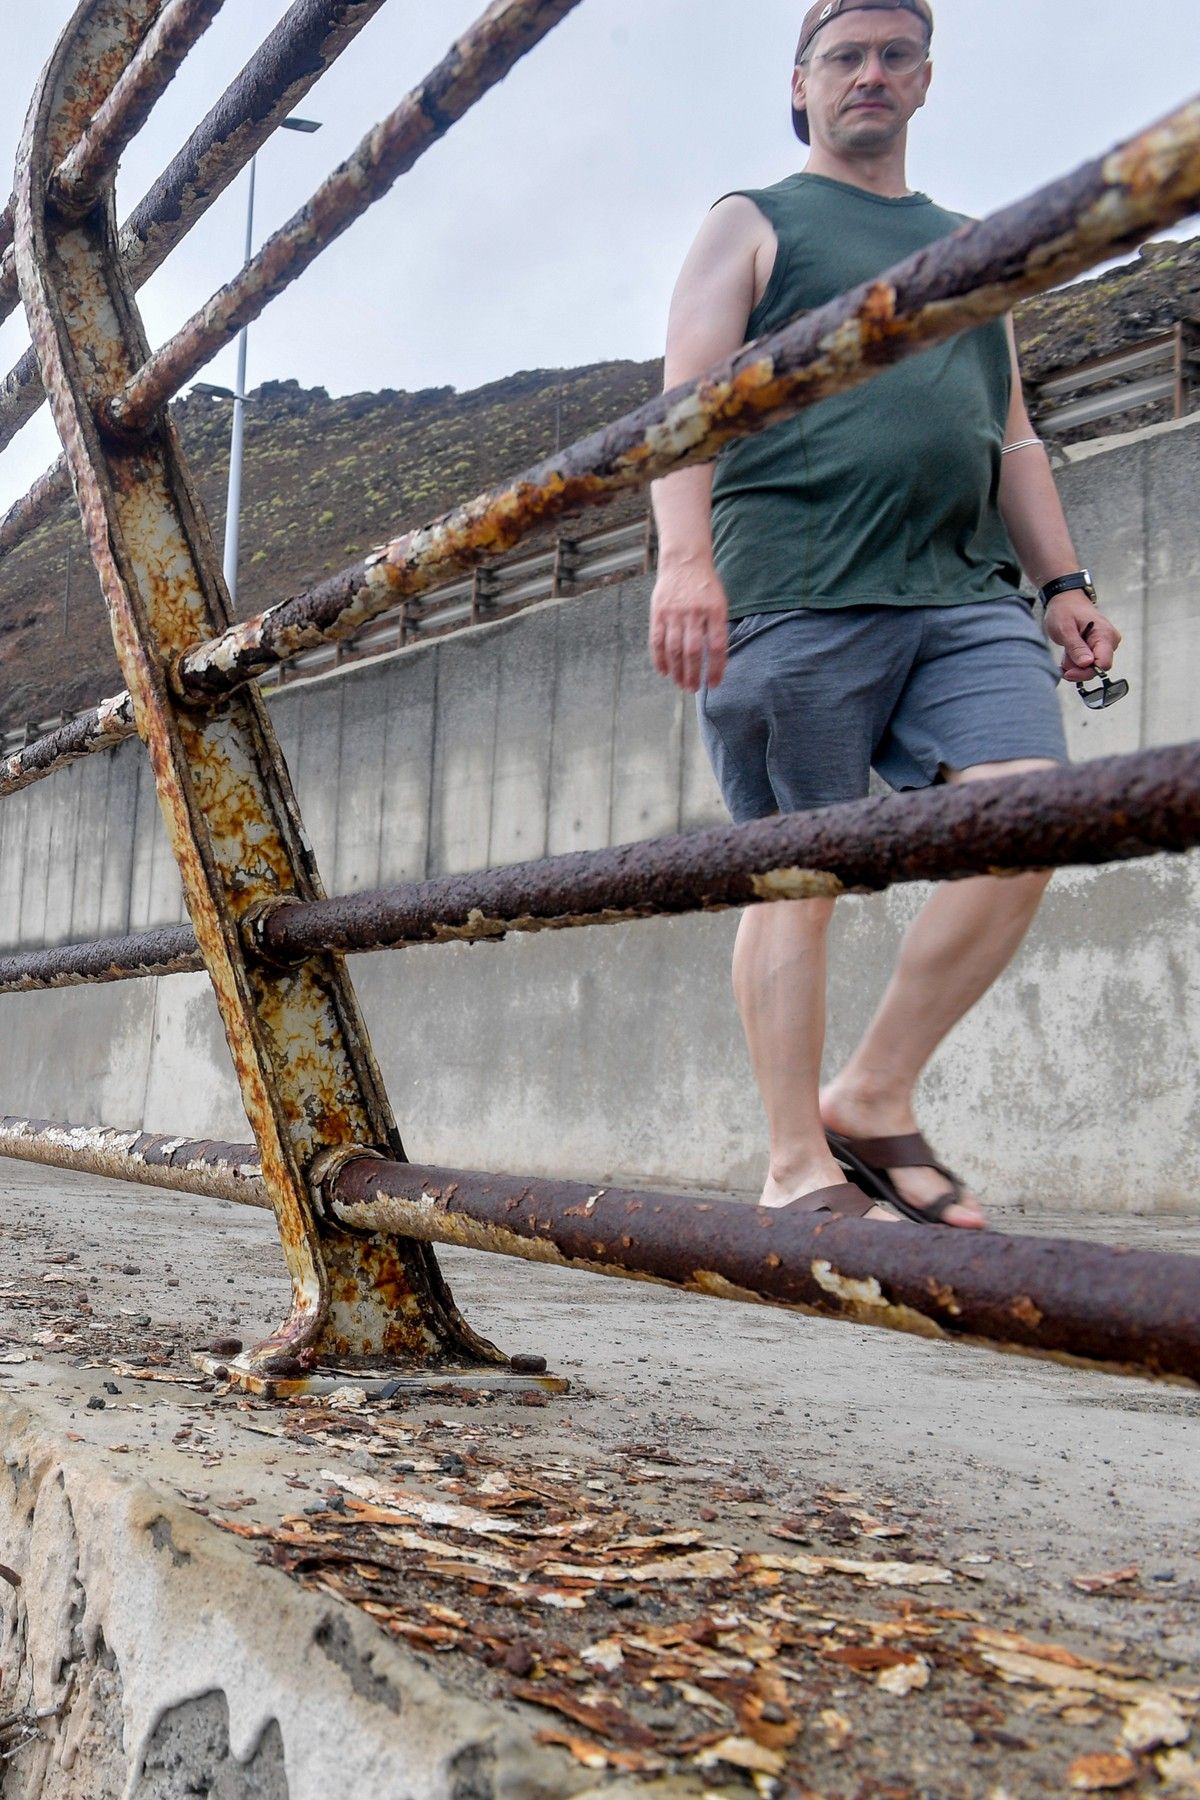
[1058, 757]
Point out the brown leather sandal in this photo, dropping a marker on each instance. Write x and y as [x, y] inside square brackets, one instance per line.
[845, 1201]
[869, 1159]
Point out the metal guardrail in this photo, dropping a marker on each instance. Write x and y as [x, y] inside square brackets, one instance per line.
[1161, 368]
[493, 591]
[356, 1223]
[585, 560]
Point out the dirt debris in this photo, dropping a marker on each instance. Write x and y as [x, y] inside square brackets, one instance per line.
[668, 1596]
[662, 1650]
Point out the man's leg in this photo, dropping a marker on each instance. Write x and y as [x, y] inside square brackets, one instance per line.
[963, 938]
[779, 985]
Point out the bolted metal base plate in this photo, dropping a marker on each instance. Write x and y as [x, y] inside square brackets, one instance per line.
[521, 1377]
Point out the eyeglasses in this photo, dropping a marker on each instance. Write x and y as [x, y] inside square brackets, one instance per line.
[900, 57]
[1107, 694]
[1109, 691]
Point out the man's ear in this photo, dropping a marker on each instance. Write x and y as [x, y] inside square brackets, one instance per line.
[800, 87]
[928, 77]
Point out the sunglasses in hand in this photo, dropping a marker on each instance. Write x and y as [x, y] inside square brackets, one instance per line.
[1107, 693]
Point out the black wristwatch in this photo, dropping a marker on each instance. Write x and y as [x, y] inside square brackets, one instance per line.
[1081, 582]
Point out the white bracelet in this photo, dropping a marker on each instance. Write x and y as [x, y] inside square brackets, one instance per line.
[1025, 444]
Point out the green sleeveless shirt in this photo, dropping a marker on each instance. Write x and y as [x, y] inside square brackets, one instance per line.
[885, 496]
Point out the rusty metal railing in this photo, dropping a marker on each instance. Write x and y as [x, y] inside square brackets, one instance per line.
[1117, 809]
[307, 41]
[1052, 1299]
[356, 1222]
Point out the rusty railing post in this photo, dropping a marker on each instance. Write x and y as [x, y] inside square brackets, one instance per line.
[307, 1074]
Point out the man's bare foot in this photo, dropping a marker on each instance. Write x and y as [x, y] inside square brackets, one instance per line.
[853, 1116]
[781, 1191]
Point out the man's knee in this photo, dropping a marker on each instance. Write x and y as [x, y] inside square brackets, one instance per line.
[794, 919]
[995, 771]
[1015, 896]
[1034, 881]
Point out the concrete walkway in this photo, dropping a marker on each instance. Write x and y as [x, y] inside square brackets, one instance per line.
[1017, 1545]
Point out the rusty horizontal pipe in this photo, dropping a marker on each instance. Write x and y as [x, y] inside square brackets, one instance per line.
[307, 41]
[21, 393]
[976, 274]
[1083, 1304]
[35, 507]
[165, 950]
[1018, 252]
[1126, 1312]
[100, 728]
[185, 1165]
[1110, 810]
[176, 31]
[480, 59]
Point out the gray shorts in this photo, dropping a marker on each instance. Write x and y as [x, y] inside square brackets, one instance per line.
[813, 700]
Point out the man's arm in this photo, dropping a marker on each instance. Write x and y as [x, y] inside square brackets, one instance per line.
[1033, 515]
[725, 272]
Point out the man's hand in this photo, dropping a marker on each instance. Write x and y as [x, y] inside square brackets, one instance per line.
[689, 623]
[1089, 641]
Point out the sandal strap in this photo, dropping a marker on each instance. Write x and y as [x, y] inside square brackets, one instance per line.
[843, 1201]
[910, 1151]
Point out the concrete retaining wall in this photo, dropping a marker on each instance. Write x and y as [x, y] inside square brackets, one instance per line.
[617, 1051]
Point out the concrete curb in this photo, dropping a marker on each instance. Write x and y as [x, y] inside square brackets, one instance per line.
[146, 1635]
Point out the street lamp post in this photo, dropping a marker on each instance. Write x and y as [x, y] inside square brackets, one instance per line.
[233, 506]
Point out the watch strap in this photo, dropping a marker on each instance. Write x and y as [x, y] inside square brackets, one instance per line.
[1080, 582]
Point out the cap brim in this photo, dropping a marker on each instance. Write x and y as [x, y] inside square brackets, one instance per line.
[800, 124]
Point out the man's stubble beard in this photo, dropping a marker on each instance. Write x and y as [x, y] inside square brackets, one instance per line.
[865, 137]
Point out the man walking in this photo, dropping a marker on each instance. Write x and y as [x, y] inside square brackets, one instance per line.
[841, 592]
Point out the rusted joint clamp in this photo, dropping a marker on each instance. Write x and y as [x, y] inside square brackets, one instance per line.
[182, 692]
[115, 431]
[70, 202]
[328, 1165]
[254, 925]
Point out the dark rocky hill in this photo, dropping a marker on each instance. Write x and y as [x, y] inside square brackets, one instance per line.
[1112, 312]
[326, 479]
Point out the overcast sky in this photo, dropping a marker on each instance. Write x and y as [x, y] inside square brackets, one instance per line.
[547, 229]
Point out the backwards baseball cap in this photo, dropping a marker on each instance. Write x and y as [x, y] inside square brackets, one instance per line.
[824, 10]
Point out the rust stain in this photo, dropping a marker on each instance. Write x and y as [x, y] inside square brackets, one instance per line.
[945, 1298]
